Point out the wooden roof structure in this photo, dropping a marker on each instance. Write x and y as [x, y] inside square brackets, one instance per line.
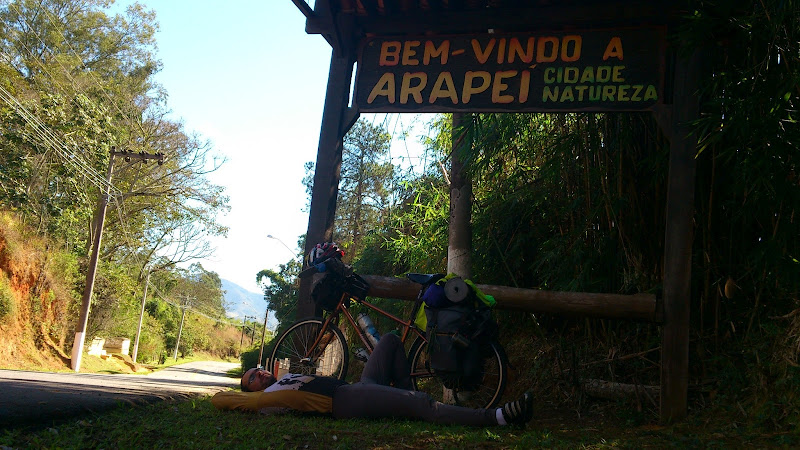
[343, 22]
[350, 25]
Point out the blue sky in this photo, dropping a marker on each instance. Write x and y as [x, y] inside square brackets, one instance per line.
[246, 76]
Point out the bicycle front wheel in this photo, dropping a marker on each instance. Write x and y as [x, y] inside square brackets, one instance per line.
[484, 395]
[294, 353]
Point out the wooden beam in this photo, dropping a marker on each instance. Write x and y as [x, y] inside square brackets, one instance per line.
[678, 242]
[304, 8]
[607, 306]
[328, 167]
[351, 115]
[507, 19]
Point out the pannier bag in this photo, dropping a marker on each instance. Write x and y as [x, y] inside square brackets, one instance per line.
[459, 332]
[328, 290]
[338, 279]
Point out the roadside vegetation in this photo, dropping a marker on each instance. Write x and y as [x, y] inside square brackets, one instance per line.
[76, 85]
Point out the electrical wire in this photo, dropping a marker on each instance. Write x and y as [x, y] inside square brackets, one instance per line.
[89, 72]
[49, 140]
[57, 144]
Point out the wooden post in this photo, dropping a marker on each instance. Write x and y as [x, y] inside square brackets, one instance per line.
[180, 329]
[678, 243]
[328, 167]
[459, 242]
[102, 205]
[141, 317]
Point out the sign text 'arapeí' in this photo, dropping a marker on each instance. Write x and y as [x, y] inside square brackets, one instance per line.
[597, 70]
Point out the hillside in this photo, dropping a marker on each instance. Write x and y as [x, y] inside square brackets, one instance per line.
[36, 310]
[239, 302]
[40, 298]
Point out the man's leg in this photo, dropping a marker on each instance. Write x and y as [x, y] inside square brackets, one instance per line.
[362, 400]
[388, 364]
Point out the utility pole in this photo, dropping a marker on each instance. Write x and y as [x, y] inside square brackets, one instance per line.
[263, 334]
[186, 303]
[102, 204]
[141, 316]
[241, 341]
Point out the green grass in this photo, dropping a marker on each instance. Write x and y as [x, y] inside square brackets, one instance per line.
[196, 424]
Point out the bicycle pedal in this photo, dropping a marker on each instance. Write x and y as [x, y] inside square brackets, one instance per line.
[361, 354]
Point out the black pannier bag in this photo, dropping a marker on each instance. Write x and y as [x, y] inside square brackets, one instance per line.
[328, 290]
[459, 339]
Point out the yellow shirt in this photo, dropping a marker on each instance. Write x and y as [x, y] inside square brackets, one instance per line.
[304, 393]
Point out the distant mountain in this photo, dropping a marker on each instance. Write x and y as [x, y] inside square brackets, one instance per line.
[240, 302]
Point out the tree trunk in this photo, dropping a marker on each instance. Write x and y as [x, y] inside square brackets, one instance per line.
[459, 245]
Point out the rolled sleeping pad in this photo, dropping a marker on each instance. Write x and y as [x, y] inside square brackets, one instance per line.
[456, 290]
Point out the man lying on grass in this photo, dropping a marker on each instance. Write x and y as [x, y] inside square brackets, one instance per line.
[372, 397]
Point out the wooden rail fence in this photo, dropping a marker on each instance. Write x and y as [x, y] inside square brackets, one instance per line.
[608, 306]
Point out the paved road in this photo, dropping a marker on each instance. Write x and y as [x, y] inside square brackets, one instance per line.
[40, 397]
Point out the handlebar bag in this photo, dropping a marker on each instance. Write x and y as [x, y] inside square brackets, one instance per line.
[328, 290]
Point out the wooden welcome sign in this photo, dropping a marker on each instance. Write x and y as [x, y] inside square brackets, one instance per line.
[593, 70]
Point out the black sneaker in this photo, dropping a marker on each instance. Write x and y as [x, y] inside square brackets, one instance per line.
[520, 411]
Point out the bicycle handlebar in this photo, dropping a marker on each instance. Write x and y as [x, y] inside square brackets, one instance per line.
[308, 271]
[331, 264]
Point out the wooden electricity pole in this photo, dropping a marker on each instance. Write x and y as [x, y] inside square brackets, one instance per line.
[141, 316]
[100, 217]
[186, 304]
[241, 341]
[263, 335]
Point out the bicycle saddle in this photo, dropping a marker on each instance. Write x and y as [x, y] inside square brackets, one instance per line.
[425, 279]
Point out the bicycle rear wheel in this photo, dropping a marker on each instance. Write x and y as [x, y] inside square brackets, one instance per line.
[294, 353]
[486, 395]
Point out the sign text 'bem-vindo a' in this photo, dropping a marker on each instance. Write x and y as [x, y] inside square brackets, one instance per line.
[593, 70]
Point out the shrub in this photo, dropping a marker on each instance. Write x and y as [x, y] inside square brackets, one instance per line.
[249, 357]
[7, 303]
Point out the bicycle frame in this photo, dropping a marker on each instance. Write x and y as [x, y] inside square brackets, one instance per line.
[343, 308]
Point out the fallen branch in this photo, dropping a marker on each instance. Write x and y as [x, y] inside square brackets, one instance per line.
[618, 391]
[621, 358]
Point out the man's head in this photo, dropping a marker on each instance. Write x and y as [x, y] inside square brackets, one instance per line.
[256, 379]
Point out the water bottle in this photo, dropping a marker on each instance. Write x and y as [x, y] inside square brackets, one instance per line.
[369, 328]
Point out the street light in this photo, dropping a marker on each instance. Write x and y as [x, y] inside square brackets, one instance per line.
[269, 236]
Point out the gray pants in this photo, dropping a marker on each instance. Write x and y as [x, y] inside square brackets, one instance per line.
[372, 397]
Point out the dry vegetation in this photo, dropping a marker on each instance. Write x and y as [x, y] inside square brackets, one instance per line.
[39, 309]
[37, 313]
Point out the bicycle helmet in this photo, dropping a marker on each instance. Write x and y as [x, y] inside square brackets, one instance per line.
[322, 252]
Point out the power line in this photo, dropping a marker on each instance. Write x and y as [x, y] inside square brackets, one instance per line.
[83, 64]
[53, 142]
[57, 144]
